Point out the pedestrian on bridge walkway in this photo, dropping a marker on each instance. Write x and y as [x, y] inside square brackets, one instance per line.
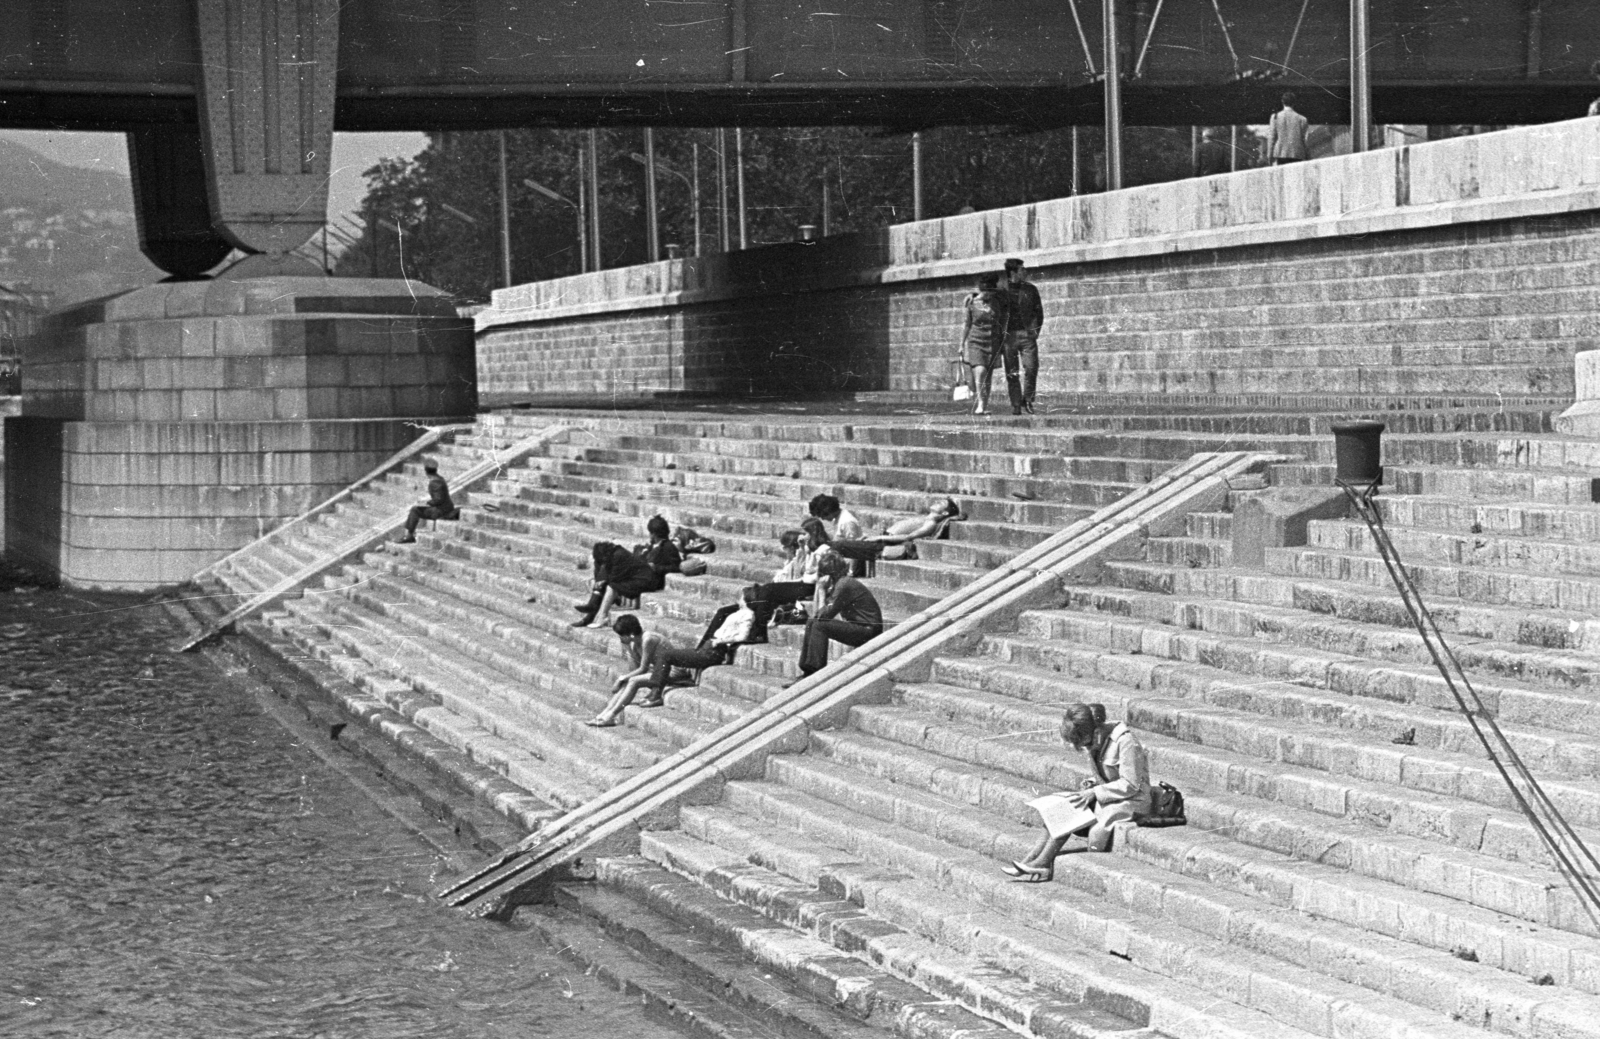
[1286, 134]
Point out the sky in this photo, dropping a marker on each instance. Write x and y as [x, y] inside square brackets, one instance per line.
[352, 153]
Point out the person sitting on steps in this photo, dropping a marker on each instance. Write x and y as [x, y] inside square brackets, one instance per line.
[439, 506]
[654, 658]
[1120, 793]
[849, 614]
[787, 587]
[827, 509]
[898, 539]
[619, 573]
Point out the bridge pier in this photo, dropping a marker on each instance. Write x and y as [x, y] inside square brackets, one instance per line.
[163, 428]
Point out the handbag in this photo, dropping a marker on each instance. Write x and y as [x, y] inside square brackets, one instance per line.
[961, 390]
[1166, 807]
[692, 566]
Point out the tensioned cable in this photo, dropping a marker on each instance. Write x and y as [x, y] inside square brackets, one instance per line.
[1565, 846]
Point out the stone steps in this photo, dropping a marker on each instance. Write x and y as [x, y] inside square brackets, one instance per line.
[1499, 586]
[1549, 628]
[1463, 548]
[1528, 518]
[1242, 844]
[797, 833]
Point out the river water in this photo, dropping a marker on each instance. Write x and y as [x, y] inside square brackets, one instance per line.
[173, 863]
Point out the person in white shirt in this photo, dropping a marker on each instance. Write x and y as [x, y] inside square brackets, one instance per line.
[1286, 134]
[787, 586]
[827, 509]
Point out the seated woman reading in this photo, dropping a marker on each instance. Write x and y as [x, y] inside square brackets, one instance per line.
[1121, 794]
[619, 573]
[654, 657]
[897, 540]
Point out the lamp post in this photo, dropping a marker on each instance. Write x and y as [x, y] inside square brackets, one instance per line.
[652, 219]
[1111, 61]
[916, 175]
[1360, 79]
[692, 185]
[556, 196]
[744, 223]
[505, 213]
[594, 200]
[722, 190]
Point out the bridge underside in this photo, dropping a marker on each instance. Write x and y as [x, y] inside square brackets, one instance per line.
[432, 64]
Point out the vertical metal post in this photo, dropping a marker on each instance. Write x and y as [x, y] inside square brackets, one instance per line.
[594, 201]
[694, 150]
[505, 213]
[1077, 164]
[744, 221]
[1233, 149]
[827, 204]
[1111, 61]
[652, 223]
[1194, 151]
[1535, 38]
[324, 247]
[1360, 79]
[916, 175]
[583, 213]
[723, 227]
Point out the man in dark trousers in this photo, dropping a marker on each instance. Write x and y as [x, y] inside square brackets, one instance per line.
[849, 614]
[1025, 316]
[439, 506]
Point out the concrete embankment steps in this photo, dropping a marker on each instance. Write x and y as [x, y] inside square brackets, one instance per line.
[1331, 882]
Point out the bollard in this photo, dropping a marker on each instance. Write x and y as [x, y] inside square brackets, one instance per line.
[808, 233]
[1357, 451]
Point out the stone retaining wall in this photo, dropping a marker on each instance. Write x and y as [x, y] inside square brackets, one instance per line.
[1456, 266]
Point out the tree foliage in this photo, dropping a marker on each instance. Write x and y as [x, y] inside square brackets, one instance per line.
[436, 217]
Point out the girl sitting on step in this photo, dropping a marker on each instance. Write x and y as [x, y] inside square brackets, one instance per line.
[796, 580]
[654, 657]
[1120, 793]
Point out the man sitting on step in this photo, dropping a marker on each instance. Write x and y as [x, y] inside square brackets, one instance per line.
[439, 506]
[849, 614]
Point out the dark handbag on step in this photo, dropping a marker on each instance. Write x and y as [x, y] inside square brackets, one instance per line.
[1166, 807]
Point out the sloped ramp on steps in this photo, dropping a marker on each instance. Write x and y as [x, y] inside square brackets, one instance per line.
[611, 823]
[383, 528]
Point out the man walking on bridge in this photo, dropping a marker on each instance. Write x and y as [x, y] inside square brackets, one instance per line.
[1025, 316]
[1286, 134]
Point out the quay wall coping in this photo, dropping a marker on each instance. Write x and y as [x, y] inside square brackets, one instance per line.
[1510, 174]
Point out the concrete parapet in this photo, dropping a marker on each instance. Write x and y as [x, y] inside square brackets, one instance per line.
[170, 425]
[1453, 265]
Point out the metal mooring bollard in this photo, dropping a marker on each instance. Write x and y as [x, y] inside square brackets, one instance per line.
[1357, 449]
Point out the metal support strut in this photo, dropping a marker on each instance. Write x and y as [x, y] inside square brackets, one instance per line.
[1574, 861]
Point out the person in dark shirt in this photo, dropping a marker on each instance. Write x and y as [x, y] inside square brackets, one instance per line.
[1024, 319]
[619, 573]
[439, 506]
[849, 614]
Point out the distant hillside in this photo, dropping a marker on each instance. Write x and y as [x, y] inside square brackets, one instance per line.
[66, 230]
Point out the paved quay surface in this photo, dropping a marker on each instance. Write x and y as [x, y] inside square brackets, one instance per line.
[176, 864]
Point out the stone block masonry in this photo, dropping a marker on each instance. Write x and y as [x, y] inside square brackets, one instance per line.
[163, 428]
[1455, 268]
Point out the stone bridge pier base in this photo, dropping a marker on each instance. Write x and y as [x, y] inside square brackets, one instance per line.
[165, 427]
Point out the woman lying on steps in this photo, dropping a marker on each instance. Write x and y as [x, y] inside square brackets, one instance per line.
[1121, 794]
[899, 538]
[654, 658]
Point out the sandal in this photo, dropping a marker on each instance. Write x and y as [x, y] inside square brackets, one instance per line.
[601, 723]
[654, 702]
[1034, 875]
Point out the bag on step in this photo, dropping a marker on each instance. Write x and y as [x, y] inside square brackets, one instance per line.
[692, 542]
[735, 630]
[1166, 807]
[692, 567]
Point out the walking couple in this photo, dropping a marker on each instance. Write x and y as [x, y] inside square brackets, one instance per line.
[1003, 327]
